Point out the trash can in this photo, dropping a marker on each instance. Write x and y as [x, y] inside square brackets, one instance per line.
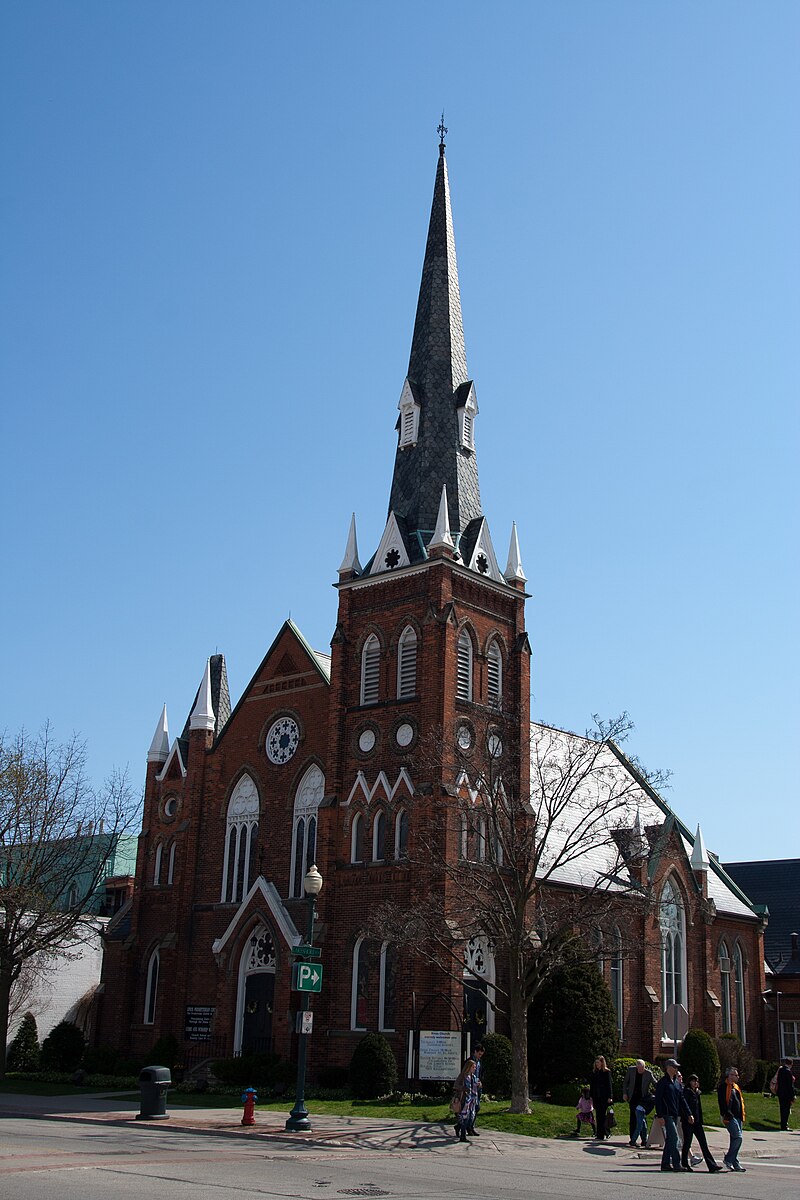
[153, 1085]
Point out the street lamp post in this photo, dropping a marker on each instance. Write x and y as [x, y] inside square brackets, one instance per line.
[298, 1120]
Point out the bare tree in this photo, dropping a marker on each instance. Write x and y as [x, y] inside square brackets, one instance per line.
[57, 836]
[531, 861]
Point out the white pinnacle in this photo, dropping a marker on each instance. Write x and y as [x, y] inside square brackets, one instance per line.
[203, 713]
[514, 571]
[699, 859]
[159, 747]
[441, 534]
[350, 561]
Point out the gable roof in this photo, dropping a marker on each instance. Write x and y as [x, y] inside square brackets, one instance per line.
[776, 884]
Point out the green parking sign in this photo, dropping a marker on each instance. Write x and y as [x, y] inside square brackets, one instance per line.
[307, 977]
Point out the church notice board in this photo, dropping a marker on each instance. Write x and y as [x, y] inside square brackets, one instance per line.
[199, 1022]
[439, 1054]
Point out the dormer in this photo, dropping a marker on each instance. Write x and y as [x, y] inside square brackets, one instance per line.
[467, 407]
[409, 417]
[391, 552]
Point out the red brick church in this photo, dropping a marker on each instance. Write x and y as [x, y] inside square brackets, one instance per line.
[327, 759]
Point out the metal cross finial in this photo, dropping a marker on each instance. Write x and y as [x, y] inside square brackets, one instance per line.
[441, 129]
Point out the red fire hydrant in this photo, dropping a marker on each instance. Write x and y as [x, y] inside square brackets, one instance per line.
[249, 1099]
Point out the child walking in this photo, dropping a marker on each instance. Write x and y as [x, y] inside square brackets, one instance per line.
[585, 1112]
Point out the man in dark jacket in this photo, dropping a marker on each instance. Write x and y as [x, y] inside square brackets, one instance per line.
[731, 1107]
[670, 1107]
[785, 1091]
[638, 1082]
[691, 1094]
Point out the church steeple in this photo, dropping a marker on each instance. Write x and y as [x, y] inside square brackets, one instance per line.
[436, 445]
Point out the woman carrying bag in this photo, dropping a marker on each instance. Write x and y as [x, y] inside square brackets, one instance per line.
[465, 1100]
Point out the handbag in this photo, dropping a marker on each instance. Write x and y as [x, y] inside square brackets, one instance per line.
[773, 1084]
[611, 1118]
[455, 1105]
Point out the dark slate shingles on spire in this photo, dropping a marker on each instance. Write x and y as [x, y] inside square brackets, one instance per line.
[437, 372]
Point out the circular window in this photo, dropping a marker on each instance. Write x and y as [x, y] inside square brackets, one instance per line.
[366, 740]
[283, 739]
[495, 745]
[405, 734]
[170, 807]
[464, 737]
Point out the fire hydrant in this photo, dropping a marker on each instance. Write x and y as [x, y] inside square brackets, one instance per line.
[249, 1099]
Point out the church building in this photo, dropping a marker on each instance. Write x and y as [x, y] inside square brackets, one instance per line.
[342, 761]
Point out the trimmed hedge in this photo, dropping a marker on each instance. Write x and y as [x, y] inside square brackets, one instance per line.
[253, 1070]
[496, 1065]
[699, 1057]
[568, 1094]
[63, 1048]
[373, 1069]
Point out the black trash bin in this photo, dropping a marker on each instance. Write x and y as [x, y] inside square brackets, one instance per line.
[153, 1085]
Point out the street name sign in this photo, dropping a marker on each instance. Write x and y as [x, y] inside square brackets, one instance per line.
[307, 977]
[306, 951]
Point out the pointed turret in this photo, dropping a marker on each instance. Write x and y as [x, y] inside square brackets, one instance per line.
[436, 444]
[350, 565]
[442, 538]
[514, 572]
[699, 860]
[203, 712]
[159, 747]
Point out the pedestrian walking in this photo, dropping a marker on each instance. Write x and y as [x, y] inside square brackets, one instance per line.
[585, 1112]
[638, 1082]
[465, 1096]
[694, 1128]
[478, 1052]
[732, 1111]
[785, 1091]
[670, 1107]
[601, 1093]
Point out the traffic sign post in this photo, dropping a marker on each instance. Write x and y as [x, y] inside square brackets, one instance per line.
[307, 977]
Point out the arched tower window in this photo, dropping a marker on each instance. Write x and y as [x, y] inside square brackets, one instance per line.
[171, 863]
[407, 663]
[725, 986]
[357, 839]
[672, 920]
[495, 674]
[157, 864]
[151, 988]
[379, 837]
[387, 993]
[238, 870]
[365, 983]
[616, 980]
[307, 800]
[370, 670]
[464, 666]
[738, 983]
[401, 834]
[478, 988]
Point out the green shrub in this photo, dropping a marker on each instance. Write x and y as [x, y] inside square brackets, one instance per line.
[619, 1069]
[103, 1060]
[63, 1048]
[570, 1023]
[732, 1053]
[23, 1053]
[373, 1070]
[165, 1052]
[496, 1065]
[764, 1072]
[568, 1094]
[699, 1057]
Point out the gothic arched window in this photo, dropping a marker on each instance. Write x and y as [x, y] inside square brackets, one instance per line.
[672, 920]
[307, 800]
[616, 980]
[495, 675]
[464, 666]
[157, 865]
[738, 983]
[171, 863]
[401, 834]
[365, 982]
[239, 868]
[478, 988]
[725, 986]
[407, 663]
[371, 670]
[387, 991]
[357, 839]
[379, 837]
[151, 988]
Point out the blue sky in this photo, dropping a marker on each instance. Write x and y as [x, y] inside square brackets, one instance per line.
[212, 225]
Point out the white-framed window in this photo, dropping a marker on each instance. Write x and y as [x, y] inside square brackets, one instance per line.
[463, 849]
[371, 670]
[357, 839]
[379, 837]
[171, 863]
[307, 800]
[479, 979]
[241, 841]
[365, 981]
[157, 864]
[387, 998]
[725, 986]
[738, 983]
[151, 988]
[616, 979]
[464, 666]
[407, 663]
[401, 834]
[480, 839]
[672, 920]
[494, 663]
[790, 1039]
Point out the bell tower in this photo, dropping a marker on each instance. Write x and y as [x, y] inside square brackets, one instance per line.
[429, 652]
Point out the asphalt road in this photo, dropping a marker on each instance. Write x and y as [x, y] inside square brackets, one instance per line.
[57, 1152]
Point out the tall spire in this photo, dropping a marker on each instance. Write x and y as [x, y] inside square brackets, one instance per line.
[436, 445]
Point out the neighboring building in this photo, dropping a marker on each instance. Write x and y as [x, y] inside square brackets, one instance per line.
[343, 760]
[775, 886]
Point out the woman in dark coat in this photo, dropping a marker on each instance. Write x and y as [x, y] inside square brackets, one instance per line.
[601, 1093]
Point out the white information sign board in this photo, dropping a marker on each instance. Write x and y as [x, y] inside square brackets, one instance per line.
[439, 1054]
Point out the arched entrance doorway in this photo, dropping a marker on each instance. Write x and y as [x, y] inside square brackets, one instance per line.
[256, 994]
